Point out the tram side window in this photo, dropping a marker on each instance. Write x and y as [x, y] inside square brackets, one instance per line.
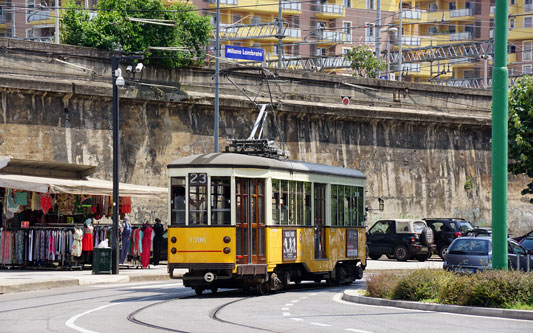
[197, 198]
[334, 204]
[276, 201]
[307, 203]
[177, 201]
[284, 202]
[220, 200]
[346, 205]
[360, 207]
[320, 204]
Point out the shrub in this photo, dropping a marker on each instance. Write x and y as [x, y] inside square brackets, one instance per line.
[421, 284]
[382, 285]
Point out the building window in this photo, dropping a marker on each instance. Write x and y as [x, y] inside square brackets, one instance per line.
[512, 2]
[347, 27]
[452, 6]
[526, 50]
[433, 7]
[451, 28]
[511, 23]
[348, 3]
[526, 69]
[511, 71]
[256, 19]
[369, 4]
[528, 22]
[511, 49]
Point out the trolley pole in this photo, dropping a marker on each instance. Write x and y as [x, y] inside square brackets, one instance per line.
[217, 74]
[499, 138]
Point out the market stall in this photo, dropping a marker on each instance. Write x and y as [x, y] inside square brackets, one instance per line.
[49, 210]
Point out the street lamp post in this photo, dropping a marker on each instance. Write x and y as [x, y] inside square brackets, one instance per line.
[118, 81]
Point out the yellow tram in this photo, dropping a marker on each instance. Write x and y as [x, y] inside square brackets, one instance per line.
[242, 221]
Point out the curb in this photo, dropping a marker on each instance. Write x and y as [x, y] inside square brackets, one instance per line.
[82, 281]
[467, 310]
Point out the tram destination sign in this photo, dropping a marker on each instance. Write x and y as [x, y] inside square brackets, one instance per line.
[289, 244]
[245, 53]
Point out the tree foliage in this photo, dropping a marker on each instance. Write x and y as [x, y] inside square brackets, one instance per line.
[521, 130]
[110, 29]
[364, 62]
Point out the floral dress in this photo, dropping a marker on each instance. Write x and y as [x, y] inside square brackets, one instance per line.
[76, 244]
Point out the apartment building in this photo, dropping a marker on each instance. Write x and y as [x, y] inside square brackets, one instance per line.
[520, 35]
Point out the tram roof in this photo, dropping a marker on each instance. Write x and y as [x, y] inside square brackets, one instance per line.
[233, 160]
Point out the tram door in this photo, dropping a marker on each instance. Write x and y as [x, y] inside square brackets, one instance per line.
[250, 205]
[320, 220]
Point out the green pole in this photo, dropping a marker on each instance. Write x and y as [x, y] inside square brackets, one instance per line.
[499, 138]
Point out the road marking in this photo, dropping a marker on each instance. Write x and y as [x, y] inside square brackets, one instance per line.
[295, 301]
[289, 304]
[320, 324]
[168, 285]
[359, 331]
[297, 319]
[313, 294]
[286, 314]
[71, 320]
[284, 309]
[304, 297]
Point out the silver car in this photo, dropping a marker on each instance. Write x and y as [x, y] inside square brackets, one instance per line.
[473, 254]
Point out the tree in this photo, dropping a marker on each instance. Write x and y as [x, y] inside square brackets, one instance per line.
[521, 130]
[111, 30]
[364, 62]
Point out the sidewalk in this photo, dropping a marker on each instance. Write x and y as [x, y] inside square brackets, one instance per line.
[16, 280]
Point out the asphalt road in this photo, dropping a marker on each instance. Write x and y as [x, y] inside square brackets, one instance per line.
[167, 306]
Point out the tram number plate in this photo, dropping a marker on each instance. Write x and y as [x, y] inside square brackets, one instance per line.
[198, 178]
[289, 245]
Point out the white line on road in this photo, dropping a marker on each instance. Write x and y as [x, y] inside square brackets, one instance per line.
[168, 285]
[71, 320]
[289, 304]
[297, 319]
[320, 324]
[295, 301]
[358, 331]
[284, 309]
[286, 314]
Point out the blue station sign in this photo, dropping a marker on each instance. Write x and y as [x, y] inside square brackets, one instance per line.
[244, 53]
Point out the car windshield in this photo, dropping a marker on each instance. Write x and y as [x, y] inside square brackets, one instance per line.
[462, 226]
[527, 243]
[419, 226]
[469, 246]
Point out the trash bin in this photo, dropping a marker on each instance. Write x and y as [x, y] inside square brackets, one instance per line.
[102, 260]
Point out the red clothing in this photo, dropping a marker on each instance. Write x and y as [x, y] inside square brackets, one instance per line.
[87, 242]
[147, 242]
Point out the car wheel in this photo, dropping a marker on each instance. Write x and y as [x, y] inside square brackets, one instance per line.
[401, 253]
[442, 251]
[390, 256]
[374, 256]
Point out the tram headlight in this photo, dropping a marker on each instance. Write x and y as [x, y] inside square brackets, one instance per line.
[173, 239]
[173, 250]
[227, 250]
[227, 239]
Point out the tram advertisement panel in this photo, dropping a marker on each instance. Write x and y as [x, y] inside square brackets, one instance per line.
[351, 243]
[289, 244]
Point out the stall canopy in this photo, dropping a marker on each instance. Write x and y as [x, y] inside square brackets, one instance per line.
[66, 178]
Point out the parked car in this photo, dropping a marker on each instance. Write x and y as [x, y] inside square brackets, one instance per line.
[402, 239]
[527, 243]
[446, 230]
[528, 235]
[473, 254]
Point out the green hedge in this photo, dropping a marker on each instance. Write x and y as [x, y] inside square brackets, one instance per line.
[489, 289]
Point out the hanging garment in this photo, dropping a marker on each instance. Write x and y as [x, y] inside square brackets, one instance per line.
[11, 204]
[146, 244]
[77, 242]
[158, 239]
[126, 233]
[35, 201]
[87, 243]
[22, 198]
[46, 203]
[125, 205]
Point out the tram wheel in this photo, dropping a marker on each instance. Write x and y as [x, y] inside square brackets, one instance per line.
[198, 291]
[286, 279]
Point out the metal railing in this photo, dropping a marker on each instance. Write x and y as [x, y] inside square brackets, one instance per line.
[330, 9]
[38, 16]
[528, 7]
[463, 60]
[461, 12]
[291, 5]
[467, 35]
[293, 33]
[492, 9]
[224, 2]
[411, 41]
[334, 36]
[412, 14]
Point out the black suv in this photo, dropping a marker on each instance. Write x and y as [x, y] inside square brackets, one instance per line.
[446, 230]
[401, 239]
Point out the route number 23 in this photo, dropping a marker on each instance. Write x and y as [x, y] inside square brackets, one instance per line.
[198, 178]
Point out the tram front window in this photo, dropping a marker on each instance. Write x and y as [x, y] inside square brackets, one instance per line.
[197, 198]
[220, 200]
[177, 202]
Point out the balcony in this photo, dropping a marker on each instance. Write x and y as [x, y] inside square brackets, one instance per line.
[410, 41]
[293, 33]
[467, 35]
[491, 33]
[411, 68]
[325, 11]
[224, 2]
[528, 7]
[291, 6]
[412, 14]
[461, 12]
[334, 37]
[492, 10]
